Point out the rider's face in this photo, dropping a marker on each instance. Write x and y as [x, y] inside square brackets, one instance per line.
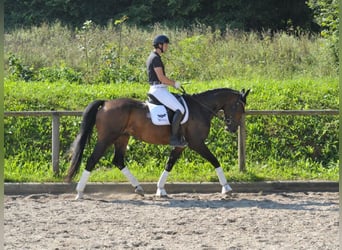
[165, 46]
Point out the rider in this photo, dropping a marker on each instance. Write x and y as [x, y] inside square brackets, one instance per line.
[158, 88]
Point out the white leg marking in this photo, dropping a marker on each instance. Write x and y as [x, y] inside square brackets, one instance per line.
[79, 196]
[130, 177]
[226, 189]
[220, 174]
[82, 183]
[223, 181]
[161, 192]
[139, 190]
[162, 179]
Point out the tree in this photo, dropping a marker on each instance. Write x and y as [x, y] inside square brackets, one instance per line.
[326, 14]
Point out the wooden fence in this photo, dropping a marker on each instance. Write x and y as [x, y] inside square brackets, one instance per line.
[241, 132]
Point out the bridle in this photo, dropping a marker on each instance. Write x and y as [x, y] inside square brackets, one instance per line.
[227, 120]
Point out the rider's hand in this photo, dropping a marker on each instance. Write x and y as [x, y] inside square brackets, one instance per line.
[177, 85]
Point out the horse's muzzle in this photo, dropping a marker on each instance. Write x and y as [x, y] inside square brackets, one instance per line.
[231, 125]
[231, 128]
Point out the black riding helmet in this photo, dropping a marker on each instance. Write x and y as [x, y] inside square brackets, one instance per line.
[160, 39]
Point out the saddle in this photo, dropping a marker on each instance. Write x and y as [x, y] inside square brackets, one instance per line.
[162, 115]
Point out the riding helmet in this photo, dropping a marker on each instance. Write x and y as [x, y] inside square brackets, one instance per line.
[160, 39]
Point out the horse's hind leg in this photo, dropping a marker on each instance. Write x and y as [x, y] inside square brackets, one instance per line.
[119, 161]
[98, 152]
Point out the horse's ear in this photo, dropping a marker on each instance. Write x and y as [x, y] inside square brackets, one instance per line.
[247, 92]
[244, 94]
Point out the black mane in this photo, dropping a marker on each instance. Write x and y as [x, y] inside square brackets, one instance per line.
[217, 95]
[216, 91]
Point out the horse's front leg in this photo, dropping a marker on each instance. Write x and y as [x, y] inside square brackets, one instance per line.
[174, 156]
[203, 150]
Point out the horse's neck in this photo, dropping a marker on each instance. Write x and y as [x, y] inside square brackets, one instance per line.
[215, 100]
[211, 105]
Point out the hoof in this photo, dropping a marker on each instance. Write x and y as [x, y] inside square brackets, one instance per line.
[161, 192]
[79, 196]
[139, 190]
[226, 189]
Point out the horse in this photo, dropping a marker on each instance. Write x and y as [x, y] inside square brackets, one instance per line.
[118, 119]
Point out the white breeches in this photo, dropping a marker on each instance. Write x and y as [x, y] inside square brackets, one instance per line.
[165, 97]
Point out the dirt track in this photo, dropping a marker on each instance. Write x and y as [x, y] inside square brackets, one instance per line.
[185, 221]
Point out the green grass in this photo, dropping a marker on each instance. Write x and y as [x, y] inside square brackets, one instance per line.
[46, 69]
[278, 148]
[299, 93]
[268, 171]
[202, 54]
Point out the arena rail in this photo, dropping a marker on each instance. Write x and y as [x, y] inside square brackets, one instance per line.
[241, 132]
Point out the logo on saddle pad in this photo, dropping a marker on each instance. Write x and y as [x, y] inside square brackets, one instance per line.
[159, 114]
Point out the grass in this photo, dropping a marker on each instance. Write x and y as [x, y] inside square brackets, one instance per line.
[269, 157]
[267, 171]
[200, 53]
[51, 68]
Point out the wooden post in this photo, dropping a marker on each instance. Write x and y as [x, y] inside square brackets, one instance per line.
[242, 144]
[55, 142]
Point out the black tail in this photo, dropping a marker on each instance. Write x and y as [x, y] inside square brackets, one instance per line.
[77, 147]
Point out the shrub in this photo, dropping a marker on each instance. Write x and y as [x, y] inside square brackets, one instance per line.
[118, 54]
[285, 142]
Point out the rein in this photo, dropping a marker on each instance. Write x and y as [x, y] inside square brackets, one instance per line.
[227, 121]
[201, 104]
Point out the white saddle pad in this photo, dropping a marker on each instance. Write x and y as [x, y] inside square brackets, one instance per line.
[159, 114]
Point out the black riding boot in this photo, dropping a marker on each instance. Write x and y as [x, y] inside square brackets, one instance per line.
[177, 140]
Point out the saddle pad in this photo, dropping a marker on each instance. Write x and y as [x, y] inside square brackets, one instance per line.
[159, 114]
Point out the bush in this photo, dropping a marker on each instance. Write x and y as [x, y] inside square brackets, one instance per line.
[278, 142]
[18, 71]
[47, 68]
[326, 14]
[52, 74]
[118, 54]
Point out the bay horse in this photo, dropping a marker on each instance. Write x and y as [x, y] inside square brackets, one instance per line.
[116, 120]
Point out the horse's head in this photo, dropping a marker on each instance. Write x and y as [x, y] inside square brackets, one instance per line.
[234, 110]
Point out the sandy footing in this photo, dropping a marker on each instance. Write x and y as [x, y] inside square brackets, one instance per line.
[183, 221]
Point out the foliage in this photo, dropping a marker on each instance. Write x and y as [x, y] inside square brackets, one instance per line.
[118, 52]
[278, 147]
[53, 74]
[236, 14]
[326, 14]
[53, 67]
[19, 71]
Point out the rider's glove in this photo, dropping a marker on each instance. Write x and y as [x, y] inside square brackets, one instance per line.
[177, 85]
